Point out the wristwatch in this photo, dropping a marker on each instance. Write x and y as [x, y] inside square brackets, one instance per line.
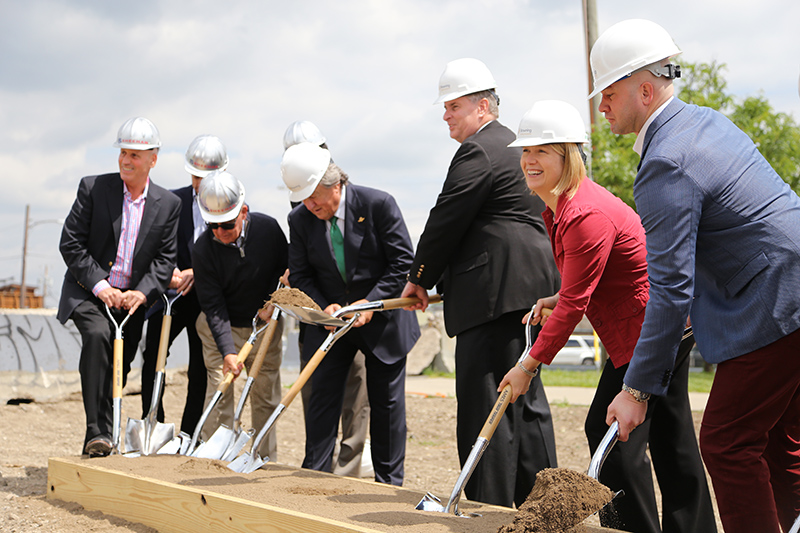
[638, 395]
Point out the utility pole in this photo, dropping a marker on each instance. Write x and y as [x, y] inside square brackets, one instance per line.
[590, 28]
[24, 257]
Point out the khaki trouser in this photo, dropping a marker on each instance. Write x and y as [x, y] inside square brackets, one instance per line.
[265, 394]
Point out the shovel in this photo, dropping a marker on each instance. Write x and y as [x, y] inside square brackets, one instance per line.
[236, 438]
[209, 449]
[430, 502]
[145, 437]
[116, 389]
[252, 461]
[320, 318]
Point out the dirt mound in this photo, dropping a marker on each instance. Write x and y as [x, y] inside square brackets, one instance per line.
[560, 500]
[287, 296]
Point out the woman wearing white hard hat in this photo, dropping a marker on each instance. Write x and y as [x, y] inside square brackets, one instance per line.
[599, 247]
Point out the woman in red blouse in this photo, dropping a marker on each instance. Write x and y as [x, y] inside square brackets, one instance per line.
[598, 244]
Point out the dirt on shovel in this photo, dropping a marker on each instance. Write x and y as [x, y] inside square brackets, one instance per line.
[291, 296]
[560, 500]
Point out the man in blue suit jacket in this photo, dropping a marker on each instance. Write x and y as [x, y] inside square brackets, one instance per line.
[370, 265]
[723, 246]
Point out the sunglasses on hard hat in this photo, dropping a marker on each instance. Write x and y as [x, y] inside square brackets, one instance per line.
[223, 225]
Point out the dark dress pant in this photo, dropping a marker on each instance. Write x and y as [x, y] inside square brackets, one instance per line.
[524, 441]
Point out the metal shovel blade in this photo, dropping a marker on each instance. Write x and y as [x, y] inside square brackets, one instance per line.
[216, 445]
[248, 463]
[310, 316]
[237, 446]
[177, 445]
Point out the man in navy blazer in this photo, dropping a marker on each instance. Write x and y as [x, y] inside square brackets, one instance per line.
[723, 247]
[205, 154]
[118, 243]
[371, 264]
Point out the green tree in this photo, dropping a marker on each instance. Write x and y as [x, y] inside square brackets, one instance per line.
[776, 135]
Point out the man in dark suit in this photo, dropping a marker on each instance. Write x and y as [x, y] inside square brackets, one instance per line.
[723, 246]
[485, 241]
[118, 243]
[349, 244]
[205, 154]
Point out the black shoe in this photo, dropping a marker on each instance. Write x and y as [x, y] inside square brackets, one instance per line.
[98, 447]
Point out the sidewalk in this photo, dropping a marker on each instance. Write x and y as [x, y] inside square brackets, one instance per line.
[446, 387]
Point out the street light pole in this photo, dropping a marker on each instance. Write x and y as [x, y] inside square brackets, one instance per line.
[24, 257]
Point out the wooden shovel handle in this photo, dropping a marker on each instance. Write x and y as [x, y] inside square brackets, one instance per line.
[304, 376]
[243, 353]
[163, 343]
[496, 414]
[116, 390]
[397, 303]
[255, 368]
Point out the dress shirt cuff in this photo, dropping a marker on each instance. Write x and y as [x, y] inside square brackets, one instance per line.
[101, 285]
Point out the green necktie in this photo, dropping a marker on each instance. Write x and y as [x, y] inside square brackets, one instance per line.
[337, 240]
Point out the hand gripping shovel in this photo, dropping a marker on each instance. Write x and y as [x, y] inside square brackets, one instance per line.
[116, 386]
[236, 438]
[215, 450]
[145, 437]
[430, 502]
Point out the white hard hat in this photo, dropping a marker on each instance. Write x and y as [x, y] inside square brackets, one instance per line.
[302, 168]
[302, 131]
[548, 122]
[138, 134]
[205, 154]
[626, 47]
[220, 197]
[462, 77]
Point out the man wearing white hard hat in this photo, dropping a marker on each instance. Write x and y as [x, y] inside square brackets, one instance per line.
[349, 244]
[237, 263]
[118, 243]
[349, 458]
[205, 154]
[723, 247]
[486, 241]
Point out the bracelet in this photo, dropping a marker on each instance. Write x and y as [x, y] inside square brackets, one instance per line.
[529, 373]
[638, 395]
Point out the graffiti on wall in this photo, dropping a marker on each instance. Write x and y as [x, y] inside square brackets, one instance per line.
[37, 343]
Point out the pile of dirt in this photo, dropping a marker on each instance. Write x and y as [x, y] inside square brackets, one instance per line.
[560, 500]
[291, 296]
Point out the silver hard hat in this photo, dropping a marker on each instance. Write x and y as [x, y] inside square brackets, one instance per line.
[302, 131]
[220, 197]
[138, 134]
[205, 154]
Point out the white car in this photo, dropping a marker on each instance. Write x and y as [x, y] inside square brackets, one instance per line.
[578, 351]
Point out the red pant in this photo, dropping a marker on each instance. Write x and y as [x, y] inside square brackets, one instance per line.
[750, 438]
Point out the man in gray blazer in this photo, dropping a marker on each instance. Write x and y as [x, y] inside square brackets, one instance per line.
[486, 242]
[118, 243]
[723, 246]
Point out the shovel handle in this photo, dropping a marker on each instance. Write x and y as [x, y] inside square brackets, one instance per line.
[304, 376]
[163, 343]
[398, 303]
[496, 413]
[117, 378]
[229, 377]
[255, 368]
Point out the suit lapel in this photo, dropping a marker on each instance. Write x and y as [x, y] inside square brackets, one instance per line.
[670, 111]
[355, 226]
[114, 200]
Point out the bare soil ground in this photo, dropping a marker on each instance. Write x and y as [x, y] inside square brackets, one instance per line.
[32, 432]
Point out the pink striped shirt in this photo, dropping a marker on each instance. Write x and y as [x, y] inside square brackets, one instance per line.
[121, 270]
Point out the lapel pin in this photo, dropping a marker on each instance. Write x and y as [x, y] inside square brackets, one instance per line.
[361, 219]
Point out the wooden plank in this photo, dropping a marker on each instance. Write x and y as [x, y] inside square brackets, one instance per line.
[169, 507]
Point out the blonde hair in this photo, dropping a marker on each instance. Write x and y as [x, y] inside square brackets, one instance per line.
[574, 169]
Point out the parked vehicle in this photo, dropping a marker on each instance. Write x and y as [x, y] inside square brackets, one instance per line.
[579, 350]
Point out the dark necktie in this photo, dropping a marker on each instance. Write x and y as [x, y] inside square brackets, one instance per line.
[337, 240]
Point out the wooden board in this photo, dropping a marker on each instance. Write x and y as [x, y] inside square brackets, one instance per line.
[176, 493]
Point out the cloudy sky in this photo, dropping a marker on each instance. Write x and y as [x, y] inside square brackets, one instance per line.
[365, 71]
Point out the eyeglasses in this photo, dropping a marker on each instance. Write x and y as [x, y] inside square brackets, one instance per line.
[223, 225]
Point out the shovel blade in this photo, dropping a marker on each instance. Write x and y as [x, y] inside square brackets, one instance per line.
[430, 503]
[239, 442]
[158, 436]
[248, 463]
[134, 437]
[177, 445]
[215, 447]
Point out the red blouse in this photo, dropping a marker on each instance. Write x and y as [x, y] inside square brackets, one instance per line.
[599, 247]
